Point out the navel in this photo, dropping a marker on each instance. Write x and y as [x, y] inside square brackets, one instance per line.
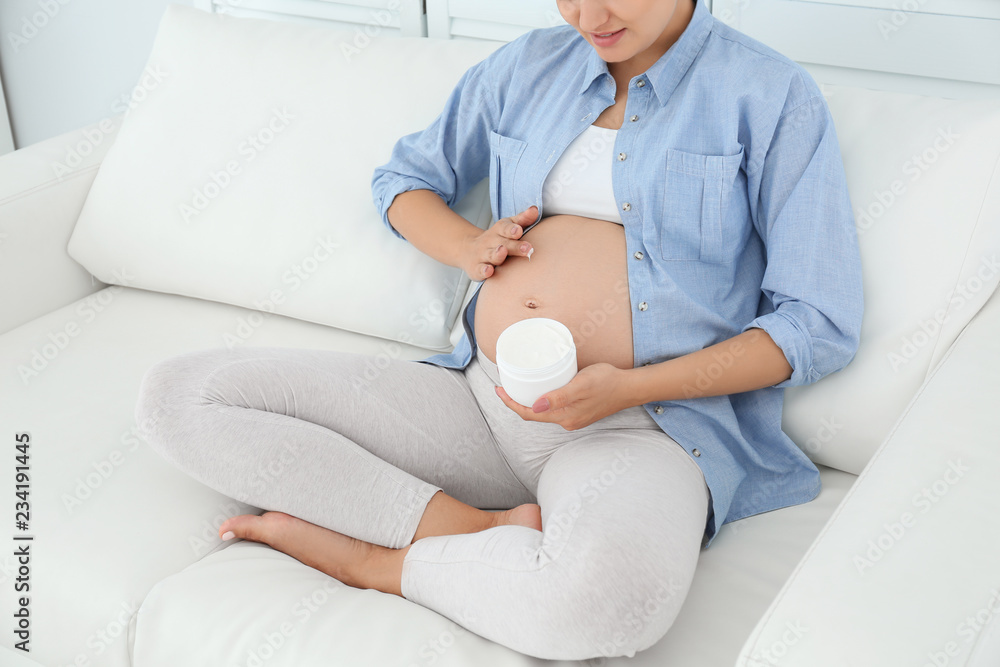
[531, 302]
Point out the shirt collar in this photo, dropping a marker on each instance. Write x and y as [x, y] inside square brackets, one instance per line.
[665, 73]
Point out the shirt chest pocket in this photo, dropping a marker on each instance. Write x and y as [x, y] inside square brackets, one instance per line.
[505, 153]
[696, 191]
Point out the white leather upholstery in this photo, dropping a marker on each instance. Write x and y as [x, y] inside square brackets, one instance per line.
[111, 517]
[141, 521]
[41, 193]
[734, 581]
[924, 180]
[908, 565]
[255, 175]
[119, 529]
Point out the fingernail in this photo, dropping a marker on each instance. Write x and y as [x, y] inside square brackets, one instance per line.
[541, 405]
[228, 535]
[524, 247]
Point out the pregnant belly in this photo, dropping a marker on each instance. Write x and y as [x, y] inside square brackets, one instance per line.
[578, 276]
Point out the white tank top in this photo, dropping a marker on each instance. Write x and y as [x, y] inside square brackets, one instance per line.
[580, 182]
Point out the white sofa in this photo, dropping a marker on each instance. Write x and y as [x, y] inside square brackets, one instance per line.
[116, 250]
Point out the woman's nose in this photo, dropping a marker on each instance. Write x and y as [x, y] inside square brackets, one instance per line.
[594, 15]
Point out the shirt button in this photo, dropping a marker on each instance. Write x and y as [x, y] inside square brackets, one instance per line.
[637, 254]
[634, 118]
[642, 82]
[658, 409]
[626, 206]
[642, 306]
[621, 157]
[696, 452]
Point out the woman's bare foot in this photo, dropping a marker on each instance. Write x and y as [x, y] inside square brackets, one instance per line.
[529, 515]
[445, 515]
[355, 562]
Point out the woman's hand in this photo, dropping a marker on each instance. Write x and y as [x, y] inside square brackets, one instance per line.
[487, 250]
[595, 392]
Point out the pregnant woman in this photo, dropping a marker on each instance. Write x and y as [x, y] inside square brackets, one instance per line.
[670, 190]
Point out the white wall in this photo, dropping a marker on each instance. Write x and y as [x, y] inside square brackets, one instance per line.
[69, 63]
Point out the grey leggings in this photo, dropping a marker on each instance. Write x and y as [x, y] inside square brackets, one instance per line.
[357, 445]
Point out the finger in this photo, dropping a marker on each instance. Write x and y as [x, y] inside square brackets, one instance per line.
[500, 253]
[529, 213]
[518, 248]
[542, 404]
[525, 413]
[484, 271]
[244, 526]
[509, 235]
[516, 228]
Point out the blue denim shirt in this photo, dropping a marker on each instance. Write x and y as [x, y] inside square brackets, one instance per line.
[735, 209]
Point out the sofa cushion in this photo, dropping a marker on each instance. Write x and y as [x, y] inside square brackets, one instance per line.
[311, 619]
[111, 517]
[131, 520]
[243, 175]
[906, 571]
[923, 179]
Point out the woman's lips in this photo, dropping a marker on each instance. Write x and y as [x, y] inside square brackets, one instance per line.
[607, 41]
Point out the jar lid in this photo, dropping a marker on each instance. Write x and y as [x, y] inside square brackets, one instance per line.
[534, 345]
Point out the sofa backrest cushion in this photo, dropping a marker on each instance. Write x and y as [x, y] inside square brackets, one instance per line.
[242, 174]
[924, 180]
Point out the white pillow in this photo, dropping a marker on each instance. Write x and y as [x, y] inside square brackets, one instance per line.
[243, 175]
[919, 171]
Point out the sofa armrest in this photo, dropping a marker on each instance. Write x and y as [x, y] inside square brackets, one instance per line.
[906, 570]
[42, 191]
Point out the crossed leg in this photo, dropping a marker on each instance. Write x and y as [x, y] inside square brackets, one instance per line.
[591, 569]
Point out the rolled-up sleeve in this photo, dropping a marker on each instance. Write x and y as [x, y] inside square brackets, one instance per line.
[813, 273]
[452, 154]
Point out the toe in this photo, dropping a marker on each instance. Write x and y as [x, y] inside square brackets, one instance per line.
[244, 526]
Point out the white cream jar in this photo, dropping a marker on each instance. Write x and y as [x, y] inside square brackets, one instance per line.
[535, 356]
